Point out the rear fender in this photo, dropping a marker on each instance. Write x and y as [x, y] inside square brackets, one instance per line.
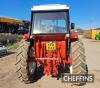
[26, 36]
[73, 36]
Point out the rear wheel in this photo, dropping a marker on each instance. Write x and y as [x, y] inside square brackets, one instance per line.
[25, 69]
[96, 38]
[79, 65]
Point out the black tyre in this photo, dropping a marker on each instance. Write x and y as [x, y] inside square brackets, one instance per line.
[96, 38]
[79, 65]
[22, 64]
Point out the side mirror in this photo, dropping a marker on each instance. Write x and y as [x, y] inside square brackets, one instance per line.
[72, 25]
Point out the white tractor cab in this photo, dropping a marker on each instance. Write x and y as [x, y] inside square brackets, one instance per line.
[53, 18]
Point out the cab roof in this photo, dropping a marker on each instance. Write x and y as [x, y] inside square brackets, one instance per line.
[50, 7]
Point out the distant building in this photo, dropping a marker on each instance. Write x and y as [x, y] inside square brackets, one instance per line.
[91, 33]
[14, 26]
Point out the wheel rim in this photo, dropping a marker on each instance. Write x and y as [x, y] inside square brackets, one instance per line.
[32, 66]
[97, 38]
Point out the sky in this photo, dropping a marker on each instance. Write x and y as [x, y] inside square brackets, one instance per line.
[84, 13]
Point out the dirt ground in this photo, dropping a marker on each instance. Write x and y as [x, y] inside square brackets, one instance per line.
[8, 78]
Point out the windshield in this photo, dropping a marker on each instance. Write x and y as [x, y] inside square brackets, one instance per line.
[50, 22]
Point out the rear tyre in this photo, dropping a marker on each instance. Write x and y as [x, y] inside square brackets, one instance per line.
[22, 64]
[79, 65]
[96, 38]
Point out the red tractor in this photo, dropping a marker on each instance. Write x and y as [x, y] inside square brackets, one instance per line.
[52, 46]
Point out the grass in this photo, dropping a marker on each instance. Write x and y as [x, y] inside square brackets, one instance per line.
[12, 45]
